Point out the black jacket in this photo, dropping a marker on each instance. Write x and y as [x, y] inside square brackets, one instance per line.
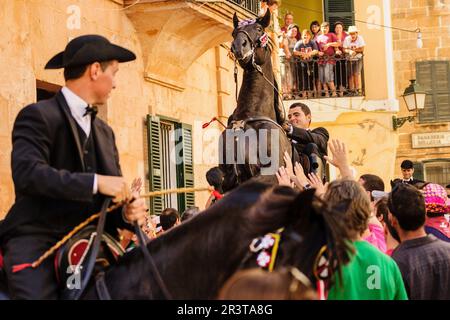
[319, 136]
[54, 192]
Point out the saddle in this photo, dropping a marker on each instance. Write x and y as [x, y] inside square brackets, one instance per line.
[73, 255]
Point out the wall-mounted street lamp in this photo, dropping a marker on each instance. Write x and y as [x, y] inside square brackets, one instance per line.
[414, 97]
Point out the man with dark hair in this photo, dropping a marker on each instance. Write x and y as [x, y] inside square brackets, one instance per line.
[189, 213]
[64, 164]
[312, 143]
[169, 218]
[371, 182]
[215, 178]
[407, 172]
[424, 260]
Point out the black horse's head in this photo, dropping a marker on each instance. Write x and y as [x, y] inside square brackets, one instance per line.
[315, 238]
[250, 40]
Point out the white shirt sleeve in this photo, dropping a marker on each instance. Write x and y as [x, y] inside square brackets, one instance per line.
[347, 41]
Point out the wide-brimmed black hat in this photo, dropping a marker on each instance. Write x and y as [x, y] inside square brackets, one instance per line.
[88, 49]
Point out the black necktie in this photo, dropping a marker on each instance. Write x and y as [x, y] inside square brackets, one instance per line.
[92, 110]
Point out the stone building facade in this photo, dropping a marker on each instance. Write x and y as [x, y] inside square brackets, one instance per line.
[426, 141]
[182, 77]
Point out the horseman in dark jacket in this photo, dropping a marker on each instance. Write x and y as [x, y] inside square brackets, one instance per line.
[64, 163]
[311, 145]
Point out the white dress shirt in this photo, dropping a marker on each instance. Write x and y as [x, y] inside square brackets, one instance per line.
[77, 108]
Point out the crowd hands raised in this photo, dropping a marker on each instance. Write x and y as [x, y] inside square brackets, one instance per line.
[405, 233]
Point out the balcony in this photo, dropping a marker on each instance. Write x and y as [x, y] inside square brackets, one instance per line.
[250, 5]
[175, 33]
[300, 78]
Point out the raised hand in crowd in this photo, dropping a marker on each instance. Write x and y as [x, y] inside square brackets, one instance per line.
[316, 183]
[299, 178]
[288, 161]
[339, 160]
[283, 177]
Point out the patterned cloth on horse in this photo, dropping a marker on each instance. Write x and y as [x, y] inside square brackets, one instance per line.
[74, 254]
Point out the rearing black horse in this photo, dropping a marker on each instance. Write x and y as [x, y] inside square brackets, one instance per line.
[254, 143]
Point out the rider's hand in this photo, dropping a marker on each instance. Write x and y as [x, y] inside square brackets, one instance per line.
[115, 187]
[136, 210]
[287, 126]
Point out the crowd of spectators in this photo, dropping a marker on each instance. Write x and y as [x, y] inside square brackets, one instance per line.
[320, 62]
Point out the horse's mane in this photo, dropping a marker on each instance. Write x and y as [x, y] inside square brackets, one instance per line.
[280, 115]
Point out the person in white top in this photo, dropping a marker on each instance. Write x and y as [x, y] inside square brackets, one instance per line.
[354, 48]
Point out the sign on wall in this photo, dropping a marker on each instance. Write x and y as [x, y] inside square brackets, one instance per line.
[430, 140]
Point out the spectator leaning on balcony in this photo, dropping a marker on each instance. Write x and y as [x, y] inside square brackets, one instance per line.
[272, 5]
[288, 20]
[354, 47]
[314, 27]
[305, 50]
[341, 65]
[424, 260]
[290, 70]
[327, 42]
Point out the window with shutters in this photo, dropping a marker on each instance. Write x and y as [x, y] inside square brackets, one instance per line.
[170, 163]
[437, 171]
[339, 10]
[434, 78]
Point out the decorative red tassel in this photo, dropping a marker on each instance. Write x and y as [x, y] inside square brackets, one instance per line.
[217, 194]
[205, 125]
[21, 267]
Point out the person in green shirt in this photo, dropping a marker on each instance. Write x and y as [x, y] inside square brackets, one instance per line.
[370, 274]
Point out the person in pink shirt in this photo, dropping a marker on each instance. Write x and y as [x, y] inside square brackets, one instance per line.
[341, 63]
[328, 46]
[374, 233]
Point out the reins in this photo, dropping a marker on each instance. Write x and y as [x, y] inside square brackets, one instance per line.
[256, 67]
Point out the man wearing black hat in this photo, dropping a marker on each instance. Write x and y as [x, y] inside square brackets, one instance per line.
[407, 172]
[64, 163]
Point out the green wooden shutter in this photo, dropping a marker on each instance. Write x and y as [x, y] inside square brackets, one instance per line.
[154, 162]
[434, 78]
[185, 166]
[339, 10]
[441, 89]
[418, 170]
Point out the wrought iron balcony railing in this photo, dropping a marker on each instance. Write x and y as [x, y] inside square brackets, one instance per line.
[250, 5]
[303, 79]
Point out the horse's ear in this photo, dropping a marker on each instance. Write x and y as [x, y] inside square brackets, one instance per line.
[265, 21]
[235, 21]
